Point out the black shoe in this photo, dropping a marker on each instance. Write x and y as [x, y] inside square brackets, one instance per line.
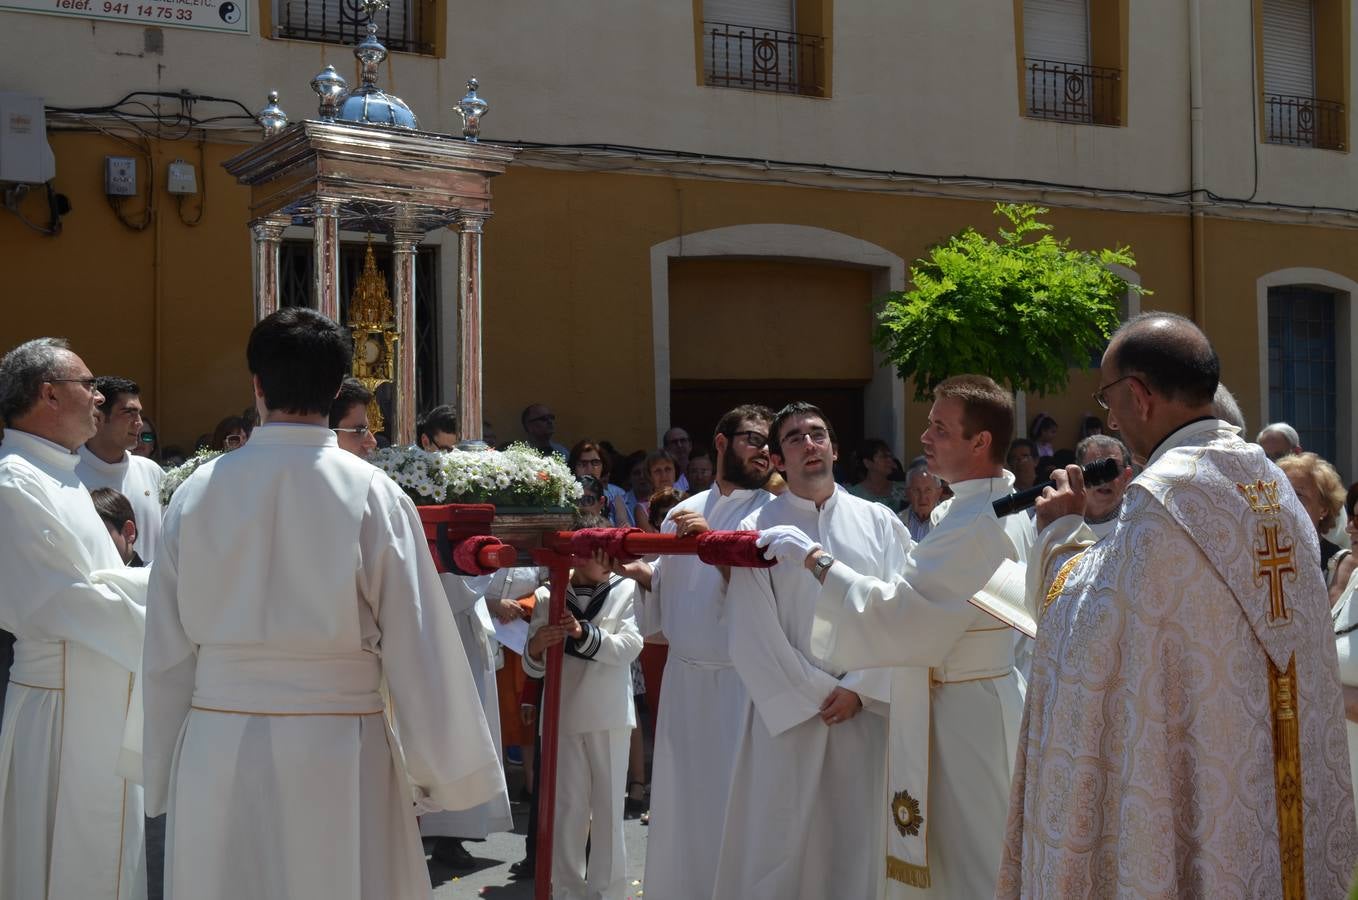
[522, 869]
[452, 854]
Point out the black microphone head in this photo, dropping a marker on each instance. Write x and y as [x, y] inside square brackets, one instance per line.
[1102, 471]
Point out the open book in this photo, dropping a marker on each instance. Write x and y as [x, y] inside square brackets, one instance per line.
[1003, 597]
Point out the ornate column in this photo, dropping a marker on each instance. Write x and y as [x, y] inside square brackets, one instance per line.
[265, 236]
[403, 244]
[326, 261]
[469, 414]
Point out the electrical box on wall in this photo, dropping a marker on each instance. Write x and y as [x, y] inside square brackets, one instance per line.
[25, 156]
[120, 176]
[181, 178]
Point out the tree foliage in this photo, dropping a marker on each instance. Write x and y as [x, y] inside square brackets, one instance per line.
[1023, 309]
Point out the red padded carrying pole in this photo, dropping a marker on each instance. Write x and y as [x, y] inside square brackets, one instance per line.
[559, 566]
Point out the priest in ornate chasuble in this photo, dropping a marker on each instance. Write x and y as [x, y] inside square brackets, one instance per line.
[955, 711]
[1184, 733]
[306, 689]
[70, 825]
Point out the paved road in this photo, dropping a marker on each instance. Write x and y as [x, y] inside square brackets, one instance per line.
[491, 878]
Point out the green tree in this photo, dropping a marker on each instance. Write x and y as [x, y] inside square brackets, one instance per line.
[1023, 309]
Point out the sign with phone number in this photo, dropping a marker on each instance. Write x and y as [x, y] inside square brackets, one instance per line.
[205, 15]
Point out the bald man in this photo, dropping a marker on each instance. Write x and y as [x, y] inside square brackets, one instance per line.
[1184, 703]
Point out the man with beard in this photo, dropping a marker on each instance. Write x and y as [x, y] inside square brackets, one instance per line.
[804, 820]
[695, 738]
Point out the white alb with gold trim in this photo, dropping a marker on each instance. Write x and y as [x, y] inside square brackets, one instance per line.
[955, 713]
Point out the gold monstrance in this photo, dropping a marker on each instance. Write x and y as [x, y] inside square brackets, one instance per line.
[374, 328]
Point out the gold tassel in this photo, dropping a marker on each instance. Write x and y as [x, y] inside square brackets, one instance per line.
[907, 873]
[1287, 778]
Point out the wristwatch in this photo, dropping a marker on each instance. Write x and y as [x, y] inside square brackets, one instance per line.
[822, 565]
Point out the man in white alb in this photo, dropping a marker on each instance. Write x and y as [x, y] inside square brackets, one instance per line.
[685, 600]
[804, 821]
[69, 825]
[293, 584]
[955, 713]
[106, 460]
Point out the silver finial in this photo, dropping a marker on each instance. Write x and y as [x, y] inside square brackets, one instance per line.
[471, 108]
[330, 86]
[271, 118]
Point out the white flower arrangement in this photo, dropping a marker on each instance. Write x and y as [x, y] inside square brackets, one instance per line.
[515, 476]
[180, 473]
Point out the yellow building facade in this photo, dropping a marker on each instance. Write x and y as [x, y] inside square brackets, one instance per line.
[663, 247]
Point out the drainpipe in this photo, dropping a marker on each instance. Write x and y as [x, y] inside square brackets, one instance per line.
[1197, 163]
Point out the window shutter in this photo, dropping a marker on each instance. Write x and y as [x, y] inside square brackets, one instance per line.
[342, 22]
[1056, 30]
[773, 14]
[1289, 48]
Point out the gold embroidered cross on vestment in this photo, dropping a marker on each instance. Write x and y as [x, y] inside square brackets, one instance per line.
[1275, 560]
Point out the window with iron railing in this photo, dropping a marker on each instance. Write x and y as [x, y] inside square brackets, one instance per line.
[1303, 122]
[406, 26]
[763, 59]
[1073, 92]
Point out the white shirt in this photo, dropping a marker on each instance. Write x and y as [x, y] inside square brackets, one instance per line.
[136, 478]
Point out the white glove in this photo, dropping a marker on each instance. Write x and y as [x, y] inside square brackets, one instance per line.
[786, 543]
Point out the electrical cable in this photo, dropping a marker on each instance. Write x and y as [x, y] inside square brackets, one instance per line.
[202, 196]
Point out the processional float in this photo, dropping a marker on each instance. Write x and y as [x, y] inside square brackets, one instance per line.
[362, 164]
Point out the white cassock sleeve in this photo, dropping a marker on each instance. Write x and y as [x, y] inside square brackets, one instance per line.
[464, 590]
[49, 592]
[168, 671]
[783, 684]
[915, 617]
[449, 755]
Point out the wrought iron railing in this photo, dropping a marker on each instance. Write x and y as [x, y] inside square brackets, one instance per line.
[1073, 92]
[406, 26]
[1304, 121]
[763, 59]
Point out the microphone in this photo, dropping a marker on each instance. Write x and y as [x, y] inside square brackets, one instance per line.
[1099, 472]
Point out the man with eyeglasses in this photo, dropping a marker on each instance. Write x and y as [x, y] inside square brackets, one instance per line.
[804, 820]
[349, 419]
[956, 701]
[678, 444]
[700, 718]
[70, 826]
[1185, 655]
[106, 460]
[539, 423]
[437, 429]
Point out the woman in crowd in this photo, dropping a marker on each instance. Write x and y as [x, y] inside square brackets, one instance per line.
[875, 466]
[661, 473]
[1042, 432]
[1345, 612]
[588, 458]
[230, 434]
[1322, 496]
